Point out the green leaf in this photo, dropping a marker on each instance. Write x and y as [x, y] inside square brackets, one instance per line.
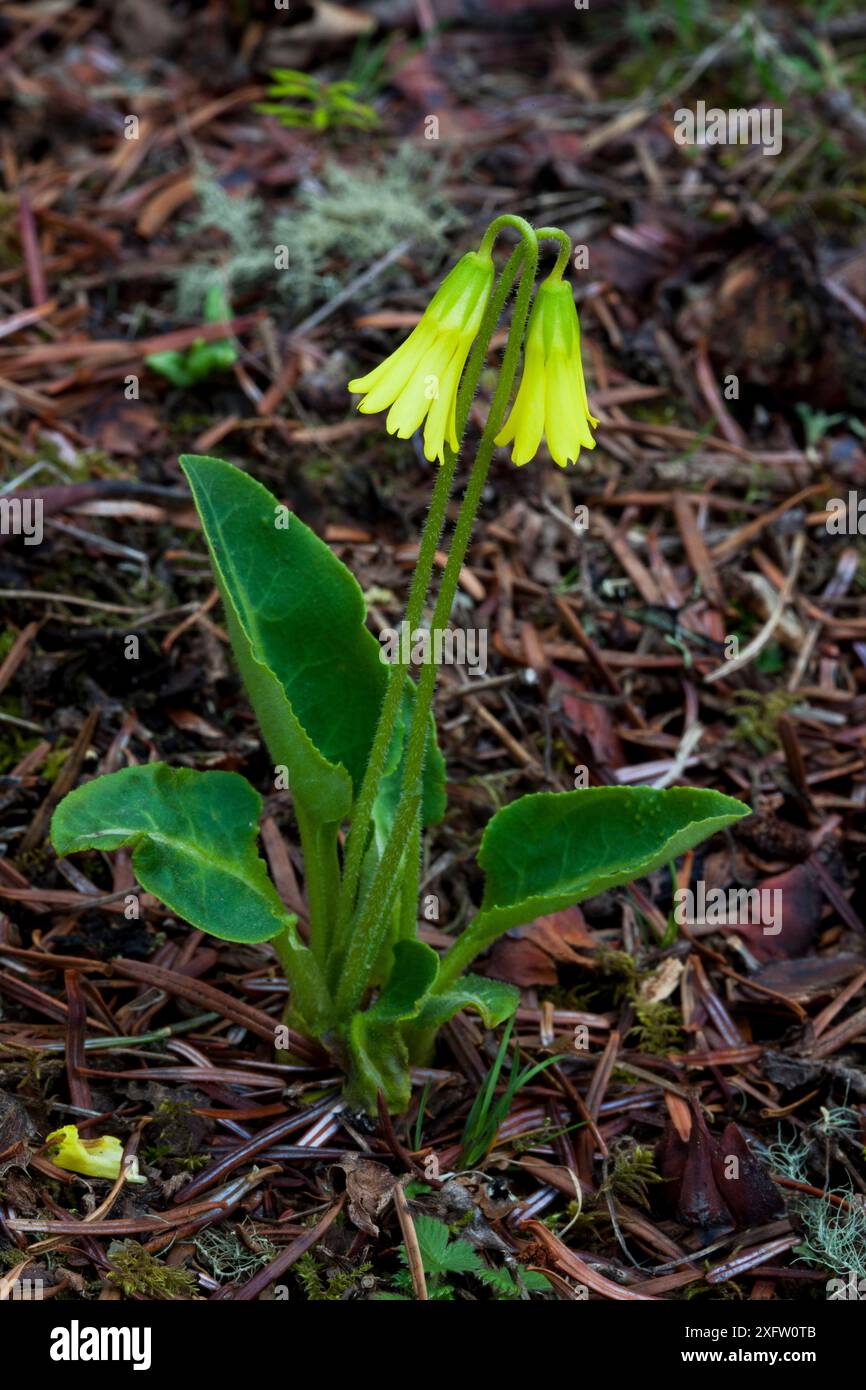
[378, 1056]
[391, 785]
[171, 365]
[202, 359]
[439, 1253]
[504, 1283]
[193, 841]
[461, 1258]
[433, 1239]
[551, 850]
[416, 966]
[492, 999]
[296, 619]
[216, 306]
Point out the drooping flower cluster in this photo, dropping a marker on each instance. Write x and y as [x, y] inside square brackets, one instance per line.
[419, 382]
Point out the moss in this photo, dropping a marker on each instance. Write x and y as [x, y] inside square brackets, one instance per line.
[13, 746]
[177, 1132]
[588, 1222]
[757, 717]
[137, 1271]
[10, 1256]
[36, 860]
[620, 966]
[658, 1029]
[576, 998]
[632, 1173]
[54, 762]
[727, 1292]
[334, 1286]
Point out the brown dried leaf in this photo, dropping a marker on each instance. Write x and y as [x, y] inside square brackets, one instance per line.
[700, 1202]
[369, 1186]
[800, 901]
[16, 1128]
[749, 1192]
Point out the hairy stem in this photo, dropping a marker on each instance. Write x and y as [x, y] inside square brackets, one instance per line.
[409, 885]
[322, 870]
[455, 960]
[556, 234]
[309, 1004]
[362, 815]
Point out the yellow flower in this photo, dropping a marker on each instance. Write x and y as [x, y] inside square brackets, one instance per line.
[96, 1158]
[419, 381]
[551, 399]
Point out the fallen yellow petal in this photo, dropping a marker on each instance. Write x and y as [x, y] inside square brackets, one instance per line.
[95, 1158]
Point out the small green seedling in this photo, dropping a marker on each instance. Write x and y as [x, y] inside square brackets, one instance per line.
[324, 105]
[351, 733]
[443, 1255]
[203, 359]
[489, 1110]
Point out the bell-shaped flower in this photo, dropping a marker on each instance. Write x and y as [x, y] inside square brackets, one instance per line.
[420, 380]
[551, 399]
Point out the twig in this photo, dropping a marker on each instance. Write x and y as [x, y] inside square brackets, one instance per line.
[410, 1240]
[758, 642]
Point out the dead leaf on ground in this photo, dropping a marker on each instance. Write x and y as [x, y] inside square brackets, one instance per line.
[370, 1186]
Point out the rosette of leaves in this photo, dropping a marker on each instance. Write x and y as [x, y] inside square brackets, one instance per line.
[313, 673]
[204, 358]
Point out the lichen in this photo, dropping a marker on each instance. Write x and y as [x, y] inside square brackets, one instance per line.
[343, 218]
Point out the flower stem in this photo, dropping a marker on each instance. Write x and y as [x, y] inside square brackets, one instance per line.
[396, 683]
[361, 819]
[557, 234]
[518, 224]
[371, 921]
[322, 875]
